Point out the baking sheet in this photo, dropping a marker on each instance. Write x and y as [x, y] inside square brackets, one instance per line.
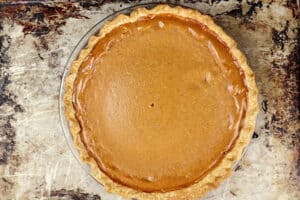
[36, 39]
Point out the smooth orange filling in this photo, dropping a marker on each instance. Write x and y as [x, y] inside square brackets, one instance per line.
[159, 101]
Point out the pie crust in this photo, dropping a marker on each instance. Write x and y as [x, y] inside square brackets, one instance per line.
[217, 174]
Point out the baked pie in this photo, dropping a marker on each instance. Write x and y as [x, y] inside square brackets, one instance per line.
[161, 103]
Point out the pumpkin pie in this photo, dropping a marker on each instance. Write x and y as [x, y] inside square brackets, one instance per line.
[161, 103]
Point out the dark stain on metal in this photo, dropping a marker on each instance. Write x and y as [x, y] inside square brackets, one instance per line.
[19, 108]
[40, 18]
[40, 56]
[41, 44]
[73, 194]
[287, 73]
[44, 43]
[249, 25]
[233, 193]
[93, 4]
[53, 60]
[267, 124]
[238, 12]
[7, 99]
[264, 105]
[6, 184]
[255, 135]
[294, 5]
[280, 36]
[7, 144]
[253, 7]
[4, 98]
[238, 167]
[5, 42]
[7, 181]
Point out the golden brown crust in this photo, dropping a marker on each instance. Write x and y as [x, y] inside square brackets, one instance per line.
[217, 174]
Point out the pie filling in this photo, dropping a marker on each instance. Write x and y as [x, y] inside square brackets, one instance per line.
[160, 101]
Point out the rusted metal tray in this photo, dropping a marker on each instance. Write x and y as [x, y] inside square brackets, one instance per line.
[37, 38]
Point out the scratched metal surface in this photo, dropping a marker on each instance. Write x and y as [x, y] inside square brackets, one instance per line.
[35, 42]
